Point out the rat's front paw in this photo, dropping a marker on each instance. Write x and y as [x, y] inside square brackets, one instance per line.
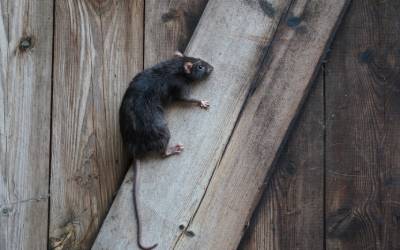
[204, 104]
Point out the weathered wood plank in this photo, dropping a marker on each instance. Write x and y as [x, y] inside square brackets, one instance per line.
[168, 27]
[98, 49]
[362, 134]
[238, 179]
[290, 214]
[26, 29]
[231, 38]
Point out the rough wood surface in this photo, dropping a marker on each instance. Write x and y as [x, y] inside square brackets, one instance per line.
[98, 49]
[231, 38]
[362, 134]
[276, 96]
[290, 214]
[26, 29]
[168, 27]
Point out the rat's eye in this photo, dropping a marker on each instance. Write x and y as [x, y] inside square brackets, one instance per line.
[200, 67]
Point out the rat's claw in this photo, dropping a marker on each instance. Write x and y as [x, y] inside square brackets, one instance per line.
[178, 148]
[204, 104]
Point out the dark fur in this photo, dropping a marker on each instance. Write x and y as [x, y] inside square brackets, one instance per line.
[142, 123]
[141, 115]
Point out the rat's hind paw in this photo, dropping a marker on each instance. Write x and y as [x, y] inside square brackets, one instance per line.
[174, 150]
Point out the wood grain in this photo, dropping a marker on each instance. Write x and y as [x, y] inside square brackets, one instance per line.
[98, 49]
[362, 145]
[168, 27]
[231, 38]
[26, 29]
[290, 214]
[238, 179]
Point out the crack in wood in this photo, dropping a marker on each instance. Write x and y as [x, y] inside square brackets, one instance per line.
[40, 198]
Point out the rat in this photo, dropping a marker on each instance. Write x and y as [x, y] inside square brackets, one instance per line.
[141, 116]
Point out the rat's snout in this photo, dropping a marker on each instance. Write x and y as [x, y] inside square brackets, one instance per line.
[210, 69]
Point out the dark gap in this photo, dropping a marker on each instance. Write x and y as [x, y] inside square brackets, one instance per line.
[324, 66]
[324, 155]
[143, 34]
[51, 124]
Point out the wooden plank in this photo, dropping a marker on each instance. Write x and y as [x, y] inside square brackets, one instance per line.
[168, 27]
[98, 49]
[231, 38]
[26, 29]
[290, 214]
[238, 179]
[363, 116]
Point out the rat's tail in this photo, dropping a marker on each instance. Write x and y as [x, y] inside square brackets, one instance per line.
[135, 165]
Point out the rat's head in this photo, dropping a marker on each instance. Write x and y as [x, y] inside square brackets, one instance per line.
[195, 68]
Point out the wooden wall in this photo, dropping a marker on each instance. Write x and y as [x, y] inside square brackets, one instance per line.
[363, 128]
[64, 65]
[336, 185]
[98, 48]
[59, 100]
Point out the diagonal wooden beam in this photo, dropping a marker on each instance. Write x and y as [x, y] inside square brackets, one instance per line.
[203, 198]
[236, 48]
[237, 183]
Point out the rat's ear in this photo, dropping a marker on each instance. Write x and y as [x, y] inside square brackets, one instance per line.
[178, 54]
[188, 67]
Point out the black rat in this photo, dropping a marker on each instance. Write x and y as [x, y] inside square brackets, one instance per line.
[141, 115]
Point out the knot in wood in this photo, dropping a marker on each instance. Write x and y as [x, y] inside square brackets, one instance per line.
[5, 211]
[25, 43]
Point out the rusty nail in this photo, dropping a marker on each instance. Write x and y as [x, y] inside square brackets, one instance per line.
[190, 233]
